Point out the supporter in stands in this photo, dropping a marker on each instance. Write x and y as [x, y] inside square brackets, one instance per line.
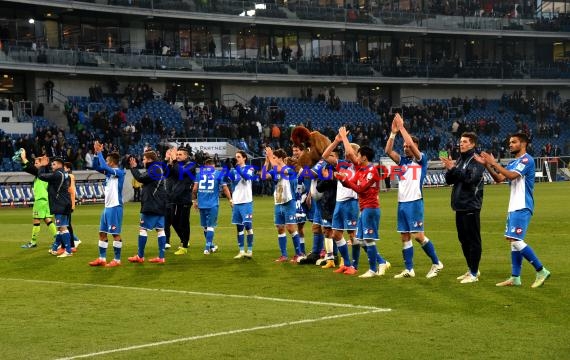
[179, 186]
[136, 190]
[206, 197]
[59, 202]
[466, 176]
[241, 177]
[520, 174]
[410, 200]
[112, 216]
[48, 87]
[153, 204]
[41, 209]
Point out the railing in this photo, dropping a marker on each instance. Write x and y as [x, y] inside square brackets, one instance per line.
[117, 62]
[453, 17]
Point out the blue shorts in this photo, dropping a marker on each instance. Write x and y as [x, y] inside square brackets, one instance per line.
[517, 224]
[317, 215]
[301, 216]
[285, 213]
[311, 210]
[209, 217]
[411, 216]
[368, 224]
[111, 220]
[242, 213]
[61, 220]
[326, 223]
[150, 222]
[345, 215]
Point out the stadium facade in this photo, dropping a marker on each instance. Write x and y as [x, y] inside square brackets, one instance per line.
[209, 49]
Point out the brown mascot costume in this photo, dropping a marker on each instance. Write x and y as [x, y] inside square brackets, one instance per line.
[313, 144]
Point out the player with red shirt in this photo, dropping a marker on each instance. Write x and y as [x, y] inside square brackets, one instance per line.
[366, 183]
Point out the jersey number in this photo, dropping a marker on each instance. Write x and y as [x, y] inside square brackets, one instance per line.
[205, 183]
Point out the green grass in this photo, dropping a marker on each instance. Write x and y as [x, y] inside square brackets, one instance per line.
[55, 308]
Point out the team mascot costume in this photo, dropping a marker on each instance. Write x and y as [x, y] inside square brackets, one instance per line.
[313, 144]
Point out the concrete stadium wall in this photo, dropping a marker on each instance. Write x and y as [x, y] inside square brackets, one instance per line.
[247, 91]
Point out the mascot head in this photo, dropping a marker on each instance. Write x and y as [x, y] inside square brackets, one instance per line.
[314, 144]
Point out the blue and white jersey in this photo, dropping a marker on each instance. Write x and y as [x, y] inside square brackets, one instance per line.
[303, 186]
[209, 182]
[285, 184]
[522, 188]
[412, 175]
[344, 193]
[240, 179]
[114, 179]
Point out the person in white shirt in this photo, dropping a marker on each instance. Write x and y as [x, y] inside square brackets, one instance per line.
[240, 178]
[413, 169]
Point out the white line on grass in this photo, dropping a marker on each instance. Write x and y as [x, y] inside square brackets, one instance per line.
[222, 333]
[199, 293]
[369, 310]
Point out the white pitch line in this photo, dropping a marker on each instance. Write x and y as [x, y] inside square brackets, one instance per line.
[230, 332]
[198, 293]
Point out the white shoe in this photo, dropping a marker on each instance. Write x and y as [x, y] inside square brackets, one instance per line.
[241, 255]
[368, 274]
[435, 268]
[206, 252]
[321, 262]
[469, 279]
[461, 277]
[65, 254]
[382, 268]
[77, 243]
[167, 246]
[405, 274]
[248, 255]
[214, 249]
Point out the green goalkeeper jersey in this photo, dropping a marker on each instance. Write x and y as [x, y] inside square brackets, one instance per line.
[40, 190]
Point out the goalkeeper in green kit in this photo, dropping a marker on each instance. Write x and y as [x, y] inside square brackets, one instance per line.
[41, 205]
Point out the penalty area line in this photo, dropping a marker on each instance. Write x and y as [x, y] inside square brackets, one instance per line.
[199, 293]
[222, 333]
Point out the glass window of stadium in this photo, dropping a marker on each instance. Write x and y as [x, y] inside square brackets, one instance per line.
[20, 32]
[12, 86]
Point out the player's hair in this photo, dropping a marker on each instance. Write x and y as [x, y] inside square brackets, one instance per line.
[355, 147]
[368, 152]
[114, 157]
[242, 153]
[280, 153]
[185, 149]
[521, 136]
[415, 140]
[209, 161]
[298, 146]
[471, 136]
[151, 155]
[68, 165]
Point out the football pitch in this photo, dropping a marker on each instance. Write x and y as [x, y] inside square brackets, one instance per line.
[215, 307]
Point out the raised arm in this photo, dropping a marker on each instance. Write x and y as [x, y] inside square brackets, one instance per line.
[349, 153]
[407, 138]
[389, 149]
[331, 147]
